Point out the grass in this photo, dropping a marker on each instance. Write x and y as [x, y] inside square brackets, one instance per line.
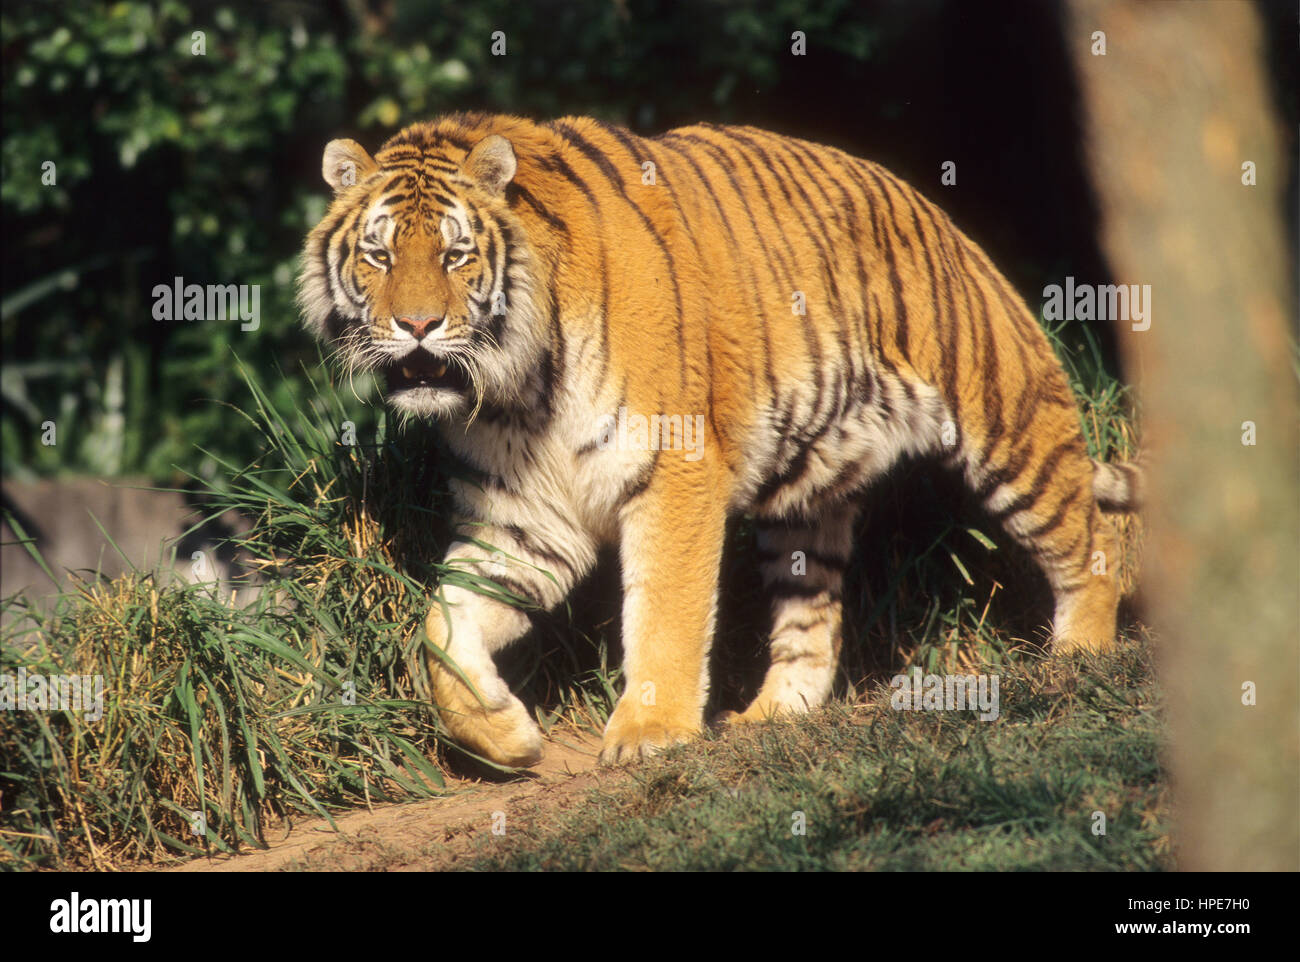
[311, 699]
[865, 787]
[308, 701]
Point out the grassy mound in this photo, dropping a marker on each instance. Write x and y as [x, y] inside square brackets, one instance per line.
[866, 787]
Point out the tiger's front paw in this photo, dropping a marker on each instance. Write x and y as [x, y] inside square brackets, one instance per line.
[507, 736]
[633, 732]
[500, 730]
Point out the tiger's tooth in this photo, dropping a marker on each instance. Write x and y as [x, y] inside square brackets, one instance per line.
[408, 373]
[442, 369]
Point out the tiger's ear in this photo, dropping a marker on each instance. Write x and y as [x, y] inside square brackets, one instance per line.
[345, 163]
[491, 164]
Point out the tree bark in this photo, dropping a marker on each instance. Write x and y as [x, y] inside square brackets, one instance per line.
[1175, 107]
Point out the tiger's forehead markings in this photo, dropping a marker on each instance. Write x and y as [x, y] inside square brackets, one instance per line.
[413, 199]
[422, 190]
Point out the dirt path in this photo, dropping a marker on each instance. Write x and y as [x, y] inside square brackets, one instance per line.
[426, 835]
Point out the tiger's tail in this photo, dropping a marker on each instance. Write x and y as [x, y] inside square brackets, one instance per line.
[1119, 487]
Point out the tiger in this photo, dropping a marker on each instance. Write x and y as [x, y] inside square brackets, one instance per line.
[625, 341]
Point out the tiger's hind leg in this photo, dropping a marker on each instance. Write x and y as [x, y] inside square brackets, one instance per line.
[1042, 493]
[803, 568]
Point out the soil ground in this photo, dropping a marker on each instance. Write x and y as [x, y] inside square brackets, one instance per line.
[427, 835]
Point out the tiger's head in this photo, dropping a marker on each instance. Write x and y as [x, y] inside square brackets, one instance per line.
[420, 273]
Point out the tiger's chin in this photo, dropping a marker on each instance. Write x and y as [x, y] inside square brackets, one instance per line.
[428, 403]
[423, 386]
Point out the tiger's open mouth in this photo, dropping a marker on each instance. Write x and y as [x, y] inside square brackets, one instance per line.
[422, 369]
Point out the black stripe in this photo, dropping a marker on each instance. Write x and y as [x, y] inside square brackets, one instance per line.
[812, 230]
[531, 547]
[799, 150]
[639, 152]
[900, 309]
[422, 138]
[947, 339]
[760, 310]
[401, 150]
[990, 372]
[792, 472]
[603, 164]
[850, 230]
[475, 221]
[1041, 532]
[784, 145]
[516, 192]
[552, 366]
[637, 485]
[515, 587]
[1054, 522]
[1037, 488]
[1047, 553]
[1009, 471]
[806, 625]
[773, 391]
[344, 250]
[568, 173]
[561, 166]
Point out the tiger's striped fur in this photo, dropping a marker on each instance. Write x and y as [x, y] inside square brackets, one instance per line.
[534, 285]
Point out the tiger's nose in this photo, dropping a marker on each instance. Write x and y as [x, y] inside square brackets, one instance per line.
[419, 326]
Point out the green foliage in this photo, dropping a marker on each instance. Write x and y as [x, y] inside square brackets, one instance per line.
[165, 164]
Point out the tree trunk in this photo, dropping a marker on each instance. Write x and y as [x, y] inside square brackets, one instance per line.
[1175, 107]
